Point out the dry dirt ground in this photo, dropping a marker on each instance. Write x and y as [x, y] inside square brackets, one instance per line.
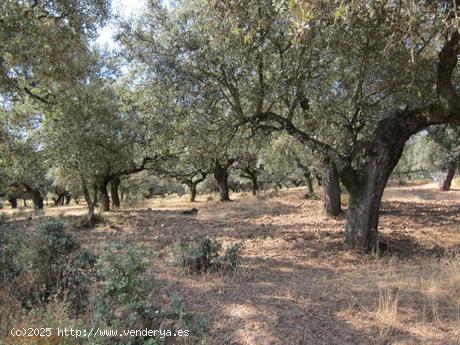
[298, 282]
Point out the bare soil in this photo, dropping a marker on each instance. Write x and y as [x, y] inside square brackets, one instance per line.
[298, 282]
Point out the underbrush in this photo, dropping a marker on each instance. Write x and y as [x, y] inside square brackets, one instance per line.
[202, 255]
[49, 281]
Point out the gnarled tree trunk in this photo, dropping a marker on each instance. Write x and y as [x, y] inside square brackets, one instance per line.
[446, 178]
[37, 199]
[104, 196]
[89, 203]
[252, 175]
[221, 176]
[366, 185]
[363, 214]
[255, 185]
[193, 182]
[60, 199]
[114, 185]
[331, 185]
[192, 187]
[13, 202]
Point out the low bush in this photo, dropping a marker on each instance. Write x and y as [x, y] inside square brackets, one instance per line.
[202, 255]
[126, 299]
[50, 247]
[45, 264]
[231, 258]
[126, 296]
[77, 277]
[10, 244]
[52, 316]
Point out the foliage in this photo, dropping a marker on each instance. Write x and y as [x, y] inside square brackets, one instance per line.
[56, 314]
[127, 297]
[77, 277]
[41, 40]
[447, 137]
[230, 260]
[48, 255]
[23, 159]
[11, 243]
[428, 153]
[54, 242]
[202, 255]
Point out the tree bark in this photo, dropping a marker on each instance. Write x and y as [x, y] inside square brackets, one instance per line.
[37, 199]
[331, 185]
[89, 203]
[255, 185]
[221, 176]
[95, 199]
[60, 199]
[114, 185]
[193, 181]
[192, 187]
[365, 186]
[104, 196]
[446, 178]
[68, 197]
[310, 190]
[363, 216]
[13, 202]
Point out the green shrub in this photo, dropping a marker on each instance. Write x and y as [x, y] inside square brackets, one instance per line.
[77, 277]
[198, 256]
[54, 239]
[202, 255]
[50, 247]
[231, 259]
[126, 299]
[10, 244]
[54, 315]
[126, 296]
[185, 320]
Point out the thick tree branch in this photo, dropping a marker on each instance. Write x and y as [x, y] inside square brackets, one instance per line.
[303, 137]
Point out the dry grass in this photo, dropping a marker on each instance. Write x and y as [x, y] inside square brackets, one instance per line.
[299, 283]
[456, 183]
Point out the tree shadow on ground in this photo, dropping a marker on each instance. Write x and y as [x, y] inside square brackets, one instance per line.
[422, 213]
[276, 301]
